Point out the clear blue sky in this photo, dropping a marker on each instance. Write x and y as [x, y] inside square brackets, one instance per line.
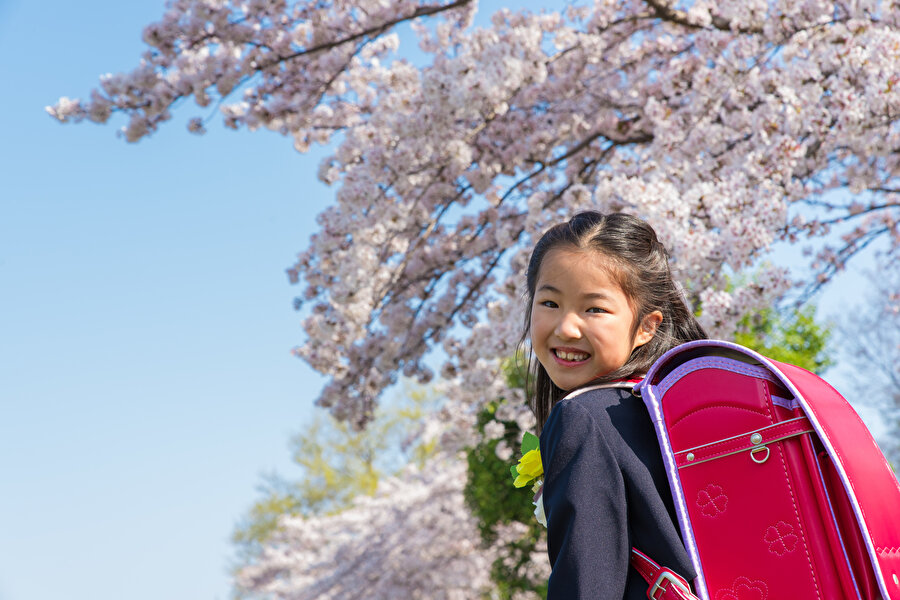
[146, 324]
[146, 380]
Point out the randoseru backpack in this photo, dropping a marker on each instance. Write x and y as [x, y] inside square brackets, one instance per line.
[781, 492]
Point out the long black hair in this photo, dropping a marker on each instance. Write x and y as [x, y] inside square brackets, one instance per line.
[639, 264]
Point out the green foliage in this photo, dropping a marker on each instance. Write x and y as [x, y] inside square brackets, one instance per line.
[516, 371]
[794, 338]
[336, 465]
[513, 579]
[489, 491]
[494, 501]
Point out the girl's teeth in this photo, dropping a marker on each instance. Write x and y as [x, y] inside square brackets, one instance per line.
[572, 356]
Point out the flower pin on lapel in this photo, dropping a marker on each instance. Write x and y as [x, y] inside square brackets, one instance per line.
[531, 469]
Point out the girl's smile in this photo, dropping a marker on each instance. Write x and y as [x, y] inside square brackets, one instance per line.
[570, 356]
[582, 324]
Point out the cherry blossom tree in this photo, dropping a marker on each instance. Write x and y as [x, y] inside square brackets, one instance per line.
[413, 539]
[729, 125]
[726, 124]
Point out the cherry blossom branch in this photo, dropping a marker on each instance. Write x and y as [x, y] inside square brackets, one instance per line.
[422, 11]
[835, 262]
[680, 17]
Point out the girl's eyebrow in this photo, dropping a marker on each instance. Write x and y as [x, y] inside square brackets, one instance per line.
[587, 296]
[595, 296]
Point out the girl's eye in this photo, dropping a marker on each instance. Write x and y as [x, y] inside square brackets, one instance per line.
[548, 303]
[597, 309]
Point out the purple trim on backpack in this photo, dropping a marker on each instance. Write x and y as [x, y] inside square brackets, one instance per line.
[837, 527]
[653, 400]
[724, 364]
[788, 403]
[713, 362]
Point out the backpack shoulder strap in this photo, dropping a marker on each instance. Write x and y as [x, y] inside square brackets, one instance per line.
[664, 583]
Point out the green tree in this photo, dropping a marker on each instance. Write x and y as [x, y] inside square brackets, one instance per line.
[791, 337]
[337, 464]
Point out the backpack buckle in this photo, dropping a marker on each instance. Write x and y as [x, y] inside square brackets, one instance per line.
[667, 576]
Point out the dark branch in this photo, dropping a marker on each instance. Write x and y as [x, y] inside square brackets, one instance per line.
[422, 11]
[674, 15]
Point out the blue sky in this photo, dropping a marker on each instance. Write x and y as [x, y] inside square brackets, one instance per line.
[145, 324]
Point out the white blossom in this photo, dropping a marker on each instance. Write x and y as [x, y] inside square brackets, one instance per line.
[413, 539]
[493, 430]
[503, 451]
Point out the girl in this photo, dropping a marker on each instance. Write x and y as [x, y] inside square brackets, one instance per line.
[602, 307]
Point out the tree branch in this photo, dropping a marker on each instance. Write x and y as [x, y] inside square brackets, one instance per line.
[422, 11]
[674, 15]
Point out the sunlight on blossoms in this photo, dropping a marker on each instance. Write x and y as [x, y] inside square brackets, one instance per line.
[413, 539]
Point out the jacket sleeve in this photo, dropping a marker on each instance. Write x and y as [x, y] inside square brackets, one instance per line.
[584, 499]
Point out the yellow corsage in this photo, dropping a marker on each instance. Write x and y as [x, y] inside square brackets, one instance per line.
[531, 469]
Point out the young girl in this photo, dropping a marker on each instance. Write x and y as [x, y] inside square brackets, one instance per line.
[602, 307]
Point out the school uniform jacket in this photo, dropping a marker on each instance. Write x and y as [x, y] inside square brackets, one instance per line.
[605, 490]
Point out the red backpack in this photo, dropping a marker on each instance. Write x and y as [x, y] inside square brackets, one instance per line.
[781, 492]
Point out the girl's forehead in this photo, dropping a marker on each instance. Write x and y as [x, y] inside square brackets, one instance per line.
[579, 267]
[571, 258]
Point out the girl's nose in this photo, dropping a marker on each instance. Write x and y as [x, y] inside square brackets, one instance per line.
[568, 327]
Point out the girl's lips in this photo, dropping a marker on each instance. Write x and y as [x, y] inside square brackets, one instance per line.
[569, 363]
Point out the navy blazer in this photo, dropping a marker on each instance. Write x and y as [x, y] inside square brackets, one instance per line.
[605, 490]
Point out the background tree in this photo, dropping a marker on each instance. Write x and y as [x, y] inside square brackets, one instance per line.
[338, 464]
[520, 568]
[788, 336]
[413, 539]
[870, 336]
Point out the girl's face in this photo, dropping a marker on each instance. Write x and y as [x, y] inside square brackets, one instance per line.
[581, 320]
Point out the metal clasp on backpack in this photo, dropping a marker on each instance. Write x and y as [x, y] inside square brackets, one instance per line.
[764, 457]
[666, 575]
[756, 439]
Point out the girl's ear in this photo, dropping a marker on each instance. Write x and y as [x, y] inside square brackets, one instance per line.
[648, 327]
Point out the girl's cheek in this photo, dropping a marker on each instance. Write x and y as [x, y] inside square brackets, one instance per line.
[537, 323]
